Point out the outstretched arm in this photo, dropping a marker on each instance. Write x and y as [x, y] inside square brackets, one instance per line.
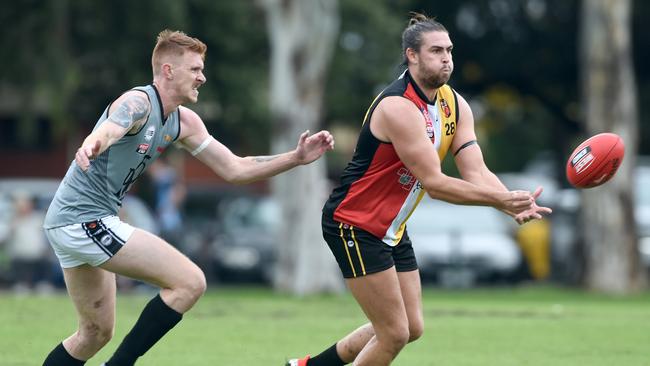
[471, 165]
[398, 121]
[241, 170]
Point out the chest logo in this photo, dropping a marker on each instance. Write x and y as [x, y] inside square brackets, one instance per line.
[445, 108]
[149, 133]
[142, 148]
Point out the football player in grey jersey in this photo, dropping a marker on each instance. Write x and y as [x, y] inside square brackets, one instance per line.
[93, 244]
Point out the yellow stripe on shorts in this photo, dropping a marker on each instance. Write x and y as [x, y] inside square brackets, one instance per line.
[363, 267]
[345, 245]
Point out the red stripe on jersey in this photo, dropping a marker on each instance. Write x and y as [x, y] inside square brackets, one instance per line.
[412, 95]
[374, 200]
[376, 190]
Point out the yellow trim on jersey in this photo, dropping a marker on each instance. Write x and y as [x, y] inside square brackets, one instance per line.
[446, 98]
[345, 245]
[400, 231]
[445, 103]
[365, 117]
[363, 267]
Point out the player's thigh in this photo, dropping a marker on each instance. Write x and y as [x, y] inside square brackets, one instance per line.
[409, 279]
[411, 289]
[92, 291]
[380, 296]
[149, 258]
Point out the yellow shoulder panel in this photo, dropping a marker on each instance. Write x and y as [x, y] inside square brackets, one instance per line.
[447, 108]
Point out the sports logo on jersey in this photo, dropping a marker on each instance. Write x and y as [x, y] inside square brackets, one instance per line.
[445, 108]
[429, 123]
[406, 179]
[148, 134]
[167, 138]
[142, 148]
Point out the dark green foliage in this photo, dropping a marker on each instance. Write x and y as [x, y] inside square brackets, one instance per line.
[516, 62]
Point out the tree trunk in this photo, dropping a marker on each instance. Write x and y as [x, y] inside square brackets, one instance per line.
[609, 96]
[302, 35]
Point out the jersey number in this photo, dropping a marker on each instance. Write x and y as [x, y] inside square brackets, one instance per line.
[450, 128]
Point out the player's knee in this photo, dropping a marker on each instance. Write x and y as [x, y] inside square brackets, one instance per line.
[399, 341]
[195, 285]
[395, 338]
[416, 329]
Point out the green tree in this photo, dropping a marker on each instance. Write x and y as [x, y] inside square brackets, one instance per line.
[609, 91]
[302, 34]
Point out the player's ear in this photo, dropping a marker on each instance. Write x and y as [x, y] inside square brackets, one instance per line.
[168, 71]
[411, 56]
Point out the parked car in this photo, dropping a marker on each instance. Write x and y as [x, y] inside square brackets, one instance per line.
[642, 211]
[244, 248]
[458, 246]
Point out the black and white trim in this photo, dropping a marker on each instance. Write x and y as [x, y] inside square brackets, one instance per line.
[104, 237]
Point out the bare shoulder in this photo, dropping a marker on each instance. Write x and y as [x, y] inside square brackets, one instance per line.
[193, 130]
[464, 107]
[130, 110]
[395, 106]
[134, 98]
[392, 116]
[191, 123]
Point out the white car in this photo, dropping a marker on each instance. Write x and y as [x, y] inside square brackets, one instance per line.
[642, 211]
[459, 245]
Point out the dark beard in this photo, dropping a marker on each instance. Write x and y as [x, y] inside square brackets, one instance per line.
[435, 81]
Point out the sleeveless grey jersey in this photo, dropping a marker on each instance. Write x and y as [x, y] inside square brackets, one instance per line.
[98, 192]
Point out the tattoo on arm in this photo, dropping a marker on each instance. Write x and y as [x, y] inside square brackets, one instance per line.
[133, 109]
[264, 159]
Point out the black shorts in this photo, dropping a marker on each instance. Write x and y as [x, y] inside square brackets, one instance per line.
[360, 253]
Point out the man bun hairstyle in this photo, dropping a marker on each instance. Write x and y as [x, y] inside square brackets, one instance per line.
[174, 43]
[412, 35]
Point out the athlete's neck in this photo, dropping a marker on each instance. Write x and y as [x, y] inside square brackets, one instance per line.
[167, 101]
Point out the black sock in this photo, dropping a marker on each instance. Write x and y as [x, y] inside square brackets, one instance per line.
[60, 357]
[329, 357]
[156, 319]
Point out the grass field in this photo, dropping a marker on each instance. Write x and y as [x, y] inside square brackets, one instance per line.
[521, 326]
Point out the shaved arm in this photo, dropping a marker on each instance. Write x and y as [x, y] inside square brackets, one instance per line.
[129, 112]
[398, 121]
[471, 165]
[468, 156]
[241, 170]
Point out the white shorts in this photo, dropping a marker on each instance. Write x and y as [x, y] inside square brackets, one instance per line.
[92, 242]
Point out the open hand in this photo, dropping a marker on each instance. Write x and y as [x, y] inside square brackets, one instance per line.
[534, 212]
[516, 202]
[313, 147]
[86, 153]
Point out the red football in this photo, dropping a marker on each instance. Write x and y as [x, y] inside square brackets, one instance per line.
[595, 161]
